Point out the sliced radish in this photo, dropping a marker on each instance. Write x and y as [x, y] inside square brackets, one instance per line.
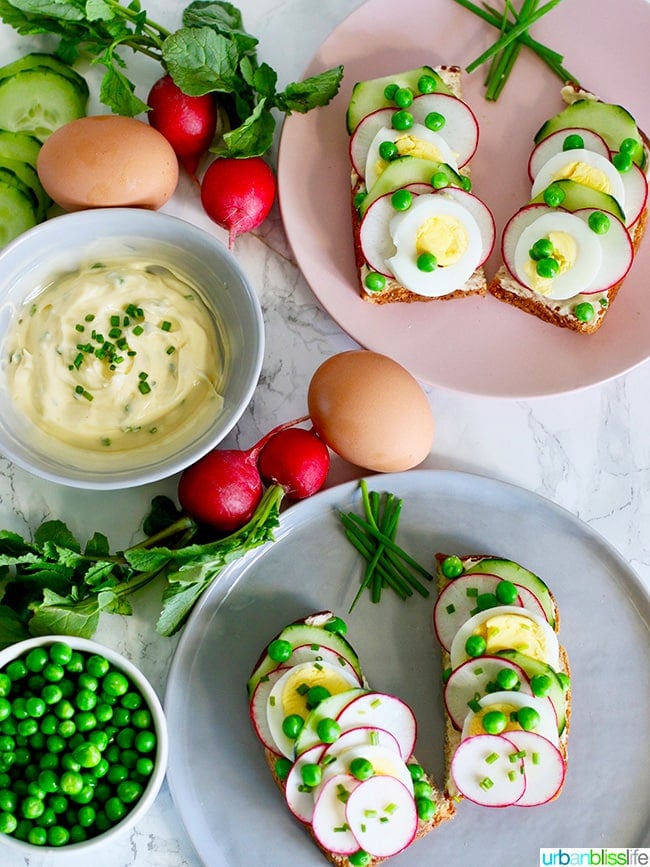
[475, 679]
[330, 708]
[320, 653]
[300, 799]
[512, 702]
[257, 708]
[544, 768]
[527, 625]
[364, 135]
[618, 253]
[481, 213]
[384, 760]
[553, 144]
[457, 603]
[385, 712]
[529, 600]
[374, 234]
[460, 129]
[487, 771]
[635, 184]
[382, 815]
[363, 736]
[329, 821]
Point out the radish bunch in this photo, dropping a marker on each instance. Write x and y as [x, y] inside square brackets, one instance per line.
[224, 487]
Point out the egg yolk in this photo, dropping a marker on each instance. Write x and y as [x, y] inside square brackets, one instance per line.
[515, 632]
[565, 252]
[444, 236]
[475, 726]
[294, 695]
[411, 146]
[588, 176]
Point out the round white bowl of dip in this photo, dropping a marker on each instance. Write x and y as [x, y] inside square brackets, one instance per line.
[131, 342]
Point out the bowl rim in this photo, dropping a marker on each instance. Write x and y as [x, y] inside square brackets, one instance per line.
[141, 222]
[151, 790]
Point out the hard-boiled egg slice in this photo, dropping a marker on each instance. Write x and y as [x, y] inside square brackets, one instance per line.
[585, 167]
[565, 141]
[452, 118]
[576, 250]
[617, 252]
[293, 694]
[510, 704]
[438, 246]
[417, 141]
[384, 761]
[507, 627]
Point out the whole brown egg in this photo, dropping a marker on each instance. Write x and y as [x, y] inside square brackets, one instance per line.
[371, 411]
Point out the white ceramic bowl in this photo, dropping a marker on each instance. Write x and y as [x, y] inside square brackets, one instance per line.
[155, 780]
[32, 260]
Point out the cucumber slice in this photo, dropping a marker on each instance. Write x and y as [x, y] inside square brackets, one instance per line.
[19, 146]
[38, 102]
[511, 571]
[577, 196]
[29, 176]
[404, 171]
[612, 122]
[17, 212]
[39, 60]
[531, 667]
[369, 95]
[299, 634]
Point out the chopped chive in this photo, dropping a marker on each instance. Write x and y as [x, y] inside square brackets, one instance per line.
[383, 819]
[138, 330]
[343, 827]
[115, 320]
[106, 441]
[114, 333]
[143, 375]
[374, 738]
[272, 700]
[79, 327]
[375, 702]
[144, 387]
[512, 776]
[166, 325]
[78, 360]
[486, 783]
[390, 809]
[370, 814]
[89, 317]
[303, 689]
[170, 350]
[491, 759]
[478, 671]
[535, 758]
[450, 609]
[471, 592]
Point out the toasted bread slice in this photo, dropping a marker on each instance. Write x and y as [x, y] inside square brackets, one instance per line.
[507, 288]
[393, 291]
[441, 807]
[453, 734]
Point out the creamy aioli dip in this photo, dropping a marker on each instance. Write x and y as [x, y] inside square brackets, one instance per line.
[115, 357]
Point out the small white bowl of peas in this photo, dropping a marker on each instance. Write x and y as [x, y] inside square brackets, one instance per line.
[83, 744]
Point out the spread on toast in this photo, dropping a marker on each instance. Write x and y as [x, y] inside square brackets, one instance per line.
[341, 753]
[420, 234]
[567, 251]
[506, 682]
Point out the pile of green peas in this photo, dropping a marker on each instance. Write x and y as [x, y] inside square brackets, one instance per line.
[77, 745]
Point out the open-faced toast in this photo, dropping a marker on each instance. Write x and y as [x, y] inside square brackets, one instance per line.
[507, 689]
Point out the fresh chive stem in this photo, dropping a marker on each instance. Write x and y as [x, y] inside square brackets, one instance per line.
[516, 30]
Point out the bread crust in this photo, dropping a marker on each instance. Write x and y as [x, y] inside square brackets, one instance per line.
[394, 292]
[452, 735]
[507, 288]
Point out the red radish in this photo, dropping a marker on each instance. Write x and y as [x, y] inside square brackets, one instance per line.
[328, 822]
[187, 122]
[300, 799]
[488, 770]
[223, 488]
[257, 707]
[238, 194]
[369, 811]
[297, 459]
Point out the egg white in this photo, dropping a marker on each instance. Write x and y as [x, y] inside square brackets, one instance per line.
[554, 165]
[374, 163]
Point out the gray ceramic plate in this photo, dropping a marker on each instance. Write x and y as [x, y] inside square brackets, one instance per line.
[219, 781]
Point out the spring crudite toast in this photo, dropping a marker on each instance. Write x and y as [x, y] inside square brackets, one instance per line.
[507, 689]
[341, 753]
[567, 252]
[419, 233]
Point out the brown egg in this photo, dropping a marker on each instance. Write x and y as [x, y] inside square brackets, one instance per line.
[108, 161]
[371, 411]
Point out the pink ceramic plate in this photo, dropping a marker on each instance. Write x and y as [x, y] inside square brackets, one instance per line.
[479, 346]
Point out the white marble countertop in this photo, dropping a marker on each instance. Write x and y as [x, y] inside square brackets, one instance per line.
[588, 451]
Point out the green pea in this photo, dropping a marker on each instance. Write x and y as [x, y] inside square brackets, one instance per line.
[52, 693]
[541, 684]
[133, 700]
[434, 121]
[358, 199]
[506, 592]
[548, 268]
[86, 816]
[69, 763]
[97, 665]
[32, 807]
[57, 835]
[60, 652]
[374, 282]
[53, 672]
[85, 796]
[426, 808]
[145, 766]
[64, 709]
[75, 665]
[311, 774]
[279, 650]
[541, 249]
[416, 771]
[466, 183]
[85, 721]
[145, 742]
[629, 146]
[67, 728]
[47, 819]
[328, 730]
[422, 789]
[452, 566]
[49, 724]
[117, 774]
[37, 836]
[403, 97]
[58, 803]
[88, 686]
[48, 781]
[8, 801]
[87, 755]
[35, 683]
[37, 659]
[426, 262]
[484, 601]
[427, 84]
[336, 624]
[292, 725]
[115, 683]
[5, 708]
[564, 679]
[99, 738]
[16, 670]
[282, 768]
[8, 823]
[599, 222]
[5, 685]
[402, 120]
[360, 858]
[19, 708]
[622, 162]
[401, 200]
[494, 722]
[390, 90]
[475, 645]
[554, 195]
[361, 768]
[115, 809]
[315, 695]
[101, 821]
[125, 738]
[528, 718]
[388, 150]
[584, 311]
[103, 712]
[573, 142]
[121, 717]
[100, 769]
[507, 678]
[439, 180]
[78, 834]
[71, 783]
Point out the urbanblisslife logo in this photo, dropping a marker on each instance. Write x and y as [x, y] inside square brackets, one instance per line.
[594, 857]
